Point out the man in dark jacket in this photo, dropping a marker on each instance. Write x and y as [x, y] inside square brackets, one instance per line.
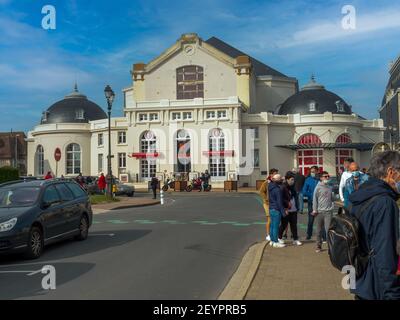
[299, 181]
[154, 186]
[379, 228]
[276, 209]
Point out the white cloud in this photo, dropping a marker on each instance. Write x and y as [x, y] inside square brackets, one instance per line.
[324, 31]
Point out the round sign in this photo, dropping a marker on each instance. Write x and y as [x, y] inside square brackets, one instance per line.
[57, 154]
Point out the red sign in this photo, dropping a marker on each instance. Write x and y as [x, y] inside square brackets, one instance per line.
[57, 154]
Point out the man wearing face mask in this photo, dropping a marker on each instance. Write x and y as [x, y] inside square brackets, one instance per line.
[353, 183]
[323, 207]
[308, 191]
[379, 228]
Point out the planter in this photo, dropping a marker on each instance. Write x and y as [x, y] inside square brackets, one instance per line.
[180, 186]
[230, 186]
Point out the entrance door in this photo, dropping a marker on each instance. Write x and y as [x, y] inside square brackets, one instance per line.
[183, 157]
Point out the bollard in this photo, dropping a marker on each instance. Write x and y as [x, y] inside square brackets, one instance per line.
[162, 196]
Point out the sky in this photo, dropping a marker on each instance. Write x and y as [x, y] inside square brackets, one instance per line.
[96, 42]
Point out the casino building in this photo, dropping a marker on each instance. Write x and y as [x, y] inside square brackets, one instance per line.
[203, 104]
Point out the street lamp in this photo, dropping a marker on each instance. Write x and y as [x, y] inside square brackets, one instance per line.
[109, 93]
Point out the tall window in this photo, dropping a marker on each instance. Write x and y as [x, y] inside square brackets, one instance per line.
[100, 162]
[189, 82]
[148, 144]
[256, 162]
[40, 160]
[122, 160]
[121, 137]
[216, 162]
[73, 158]
[312, 156]
[342, 153]
[100, 139]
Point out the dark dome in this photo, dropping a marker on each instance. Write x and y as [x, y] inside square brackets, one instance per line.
[74, 108]
[313, 98]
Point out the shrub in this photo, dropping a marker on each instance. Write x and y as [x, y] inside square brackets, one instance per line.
[8, 174]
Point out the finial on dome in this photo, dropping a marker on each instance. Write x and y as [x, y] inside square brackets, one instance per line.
[76, 87]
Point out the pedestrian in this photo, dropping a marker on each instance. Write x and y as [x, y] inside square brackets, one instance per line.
[154, 186]
[276, 209]
[48, 175]
[205, 180]
[62, 177]
[102, 183]
[80, 180]
[323, 205]
[308, 191]
[272, 172]
[345, 175]
[290, 204]
[299, 181]
[265, 197]
[379, 223]
[353, 183]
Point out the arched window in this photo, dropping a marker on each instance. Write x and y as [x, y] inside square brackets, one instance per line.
[183, 157]
[216, 164]
[73, 159]
[312, 156]
[189, 82]
[342, 152]
[40, 160]
[148, 144]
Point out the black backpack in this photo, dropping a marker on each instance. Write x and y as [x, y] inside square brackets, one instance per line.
[344, 245]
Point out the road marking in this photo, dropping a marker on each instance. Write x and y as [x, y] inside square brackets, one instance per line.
[118, 221]
[102, 234]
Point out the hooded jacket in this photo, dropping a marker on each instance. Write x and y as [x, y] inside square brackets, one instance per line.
[309, 187]
[379, 232]
[275, 198]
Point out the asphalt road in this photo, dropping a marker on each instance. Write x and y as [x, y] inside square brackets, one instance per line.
[186, 249]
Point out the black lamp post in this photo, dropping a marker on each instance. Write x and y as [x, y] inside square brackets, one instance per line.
[109, 93]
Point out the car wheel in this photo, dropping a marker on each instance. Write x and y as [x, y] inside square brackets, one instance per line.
[35, 243]
[83, 229]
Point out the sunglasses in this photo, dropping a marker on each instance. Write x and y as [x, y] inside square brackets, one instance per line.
[325, 176]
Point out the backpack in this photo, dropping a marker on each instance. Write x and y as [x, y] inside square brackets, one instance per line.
[344, 245]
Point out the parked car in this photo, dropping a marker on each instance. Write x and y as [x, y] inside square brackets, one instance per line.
[39, 212]
[122, 188]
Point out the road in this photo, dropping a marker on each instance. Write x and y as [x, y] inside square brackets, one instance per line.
[186, 249]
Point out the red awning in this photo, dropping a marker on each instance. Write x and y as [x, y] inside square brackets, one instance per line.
[224, 153]
[144, 155]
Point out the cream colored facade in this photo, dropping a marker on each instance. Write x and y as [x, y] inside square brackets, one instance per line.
[236, 97]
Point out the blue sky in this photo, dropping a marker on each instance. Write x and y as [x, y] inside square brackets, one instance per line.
[96, 42]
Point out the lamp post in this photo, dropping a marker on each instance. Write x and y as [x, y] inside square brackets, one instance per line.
[109, 93]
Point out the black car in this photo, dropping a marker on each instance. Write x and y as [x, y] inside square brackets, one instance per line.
[39, 212]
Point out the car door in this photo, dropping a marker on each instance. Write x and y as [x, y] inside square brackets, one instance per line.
[71, 209]
[52, 213]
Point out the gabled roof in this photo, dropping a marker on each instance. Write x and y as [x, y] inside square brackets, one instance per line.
[260, 69]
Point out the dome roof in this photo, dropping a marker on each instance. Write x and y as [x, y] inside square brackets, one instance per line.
[313, 98]
[74, 108]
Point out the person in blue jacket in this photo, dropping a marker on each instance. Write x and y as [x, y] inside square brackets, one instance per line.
[379, 228]
[308, 191]
[276, 209]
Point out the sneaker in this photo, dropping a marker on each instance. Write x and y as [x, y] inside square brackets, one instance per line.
[324, 242]
[308, 238]
[271, 244]
[297, 243]
[318, 249]
[281, 241]
[278, 245]
[268, 238]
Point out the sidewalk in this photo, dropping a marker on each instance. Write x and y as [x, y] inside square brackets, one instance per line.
[297, 273]
[125, 202]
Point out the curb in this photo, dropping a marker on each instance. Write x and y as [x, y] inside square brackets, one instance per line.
[128, 206]
[239, 284]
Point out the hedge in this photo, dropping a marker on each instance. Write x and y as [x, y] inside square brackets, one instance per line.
[8, 174]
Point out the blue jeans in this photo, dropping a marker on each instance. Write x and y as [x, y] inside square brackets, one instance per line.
[275, 222]
[300, 197]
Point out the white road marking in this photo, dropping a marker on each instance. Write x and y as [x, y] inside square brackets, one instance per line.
[102, 234]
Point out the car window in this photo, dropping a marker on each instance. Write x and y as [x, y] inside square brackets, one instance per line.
[65, 193]
[51, 195]
[76, 190]
[18, 197]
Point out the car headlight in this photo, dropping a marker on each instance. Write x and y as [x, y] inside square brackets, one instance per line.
[8, 225]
